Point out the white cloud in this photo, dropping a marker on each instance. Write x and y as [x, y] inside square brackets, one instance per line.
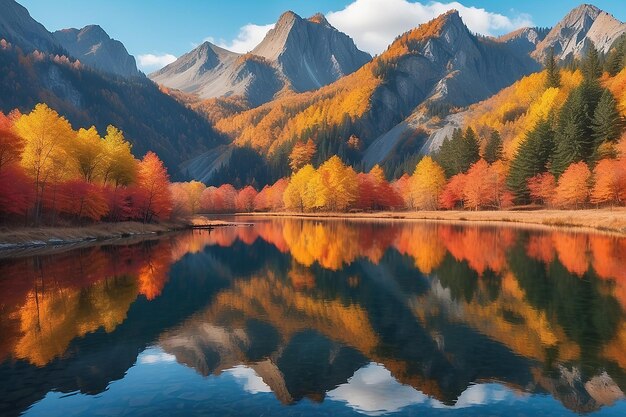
[374, 24]
[152, 62]
[372, 390]
[248, 37]
[251, 382]
[155, 356]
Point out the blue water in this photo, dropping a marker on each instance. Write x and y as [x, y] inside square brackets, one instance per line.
[320, 318]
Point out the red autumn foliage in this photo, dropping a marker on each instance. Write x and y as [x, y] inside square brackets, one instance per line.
[17, 191]
[542, 188]
[244, 201]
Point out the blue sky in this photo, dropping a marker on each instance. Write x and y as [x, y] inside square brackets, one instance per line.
[156, 31]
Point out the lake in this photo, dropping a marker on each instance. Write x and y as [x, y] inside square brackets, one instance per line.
[327, 318]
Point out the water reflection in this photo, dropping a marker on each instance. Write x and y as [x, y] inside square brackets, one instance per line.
[370, 318]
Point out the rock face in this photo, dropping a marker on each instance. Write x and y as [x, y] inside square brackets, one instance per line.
[310, 52]
[94, 48]
[453, 67]
[210, 71]
[524, 40]
[571, 36]
[298, 55]
[18, 27]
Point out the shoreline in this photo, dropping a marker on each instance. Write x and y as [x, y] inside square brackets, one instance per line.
[24, 238]
[611, 221]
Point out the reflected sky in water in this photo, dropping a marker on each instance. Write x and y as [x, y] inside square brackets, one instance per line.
[293, 317]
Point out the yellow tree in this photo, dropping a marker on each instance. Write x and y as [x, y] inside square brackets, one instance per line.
[340, 183]
[294, 195]
[118, 166]
[46, 137]
[193, 192]
[301, 154]
[87, 152]
[427, 183]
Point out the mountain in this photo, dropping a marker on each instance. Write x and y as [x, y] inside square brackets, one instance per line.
[439, 65]
[296, 55]
[524, 40]
[310, 52]
[93, 47]
[18, 27]
[571, 36]
[150, 119]
[210, 71]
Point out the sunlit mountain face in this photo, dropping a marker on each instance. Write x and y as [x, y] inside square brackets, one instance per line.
[295, 316]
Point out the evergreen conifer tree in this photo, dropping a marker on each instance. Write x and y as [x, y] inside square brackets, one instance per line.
[553, 78]
[591, 66]
[493, 148]
[531, 158]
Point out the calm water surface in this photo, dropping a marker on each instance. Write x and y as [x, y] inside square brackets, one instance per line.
[305, 317]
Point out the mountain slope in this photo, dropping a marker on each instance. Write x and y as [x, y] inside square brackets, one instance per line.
[211, 71]
[93, 47]
[18, 27]
[439, 63]
[571, 36]
[297, 55]
[150, 119]
[310, 52]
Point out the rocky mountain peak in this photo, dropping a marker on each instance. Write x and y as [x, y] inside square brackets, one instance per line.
[571, 37]
[95, 48]
[319, 18]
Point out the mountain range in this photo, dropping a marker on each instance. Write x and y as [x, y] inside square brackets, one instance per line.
[296, 55]
[304, 80]
[97, 83]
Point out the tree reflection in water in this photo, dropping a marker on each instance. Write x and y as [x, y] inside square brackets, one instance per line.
[418, 312]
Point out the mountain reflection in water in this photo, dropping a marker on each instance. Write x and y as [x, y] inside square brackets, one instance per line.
[327, 316]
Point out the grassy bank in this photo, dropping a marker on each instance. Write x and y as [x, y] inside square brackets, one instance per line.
[11, 237]
[607, 220]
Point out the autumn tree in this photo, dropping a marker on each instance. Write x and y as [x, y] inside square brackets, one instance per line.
[452, 194]
[336, 187]
[573, 186]
[245, 199]
[302, 154]
[224, 199]
[87, 152]
[427, 182]
[118, 167]
[80, 199]
[153, 182]
[478, 190]
[11, 144]
[16, 191]
[193, 192]
[295, 197]
[402, 186]
[609, 182]
[542, 187]
[47, 136]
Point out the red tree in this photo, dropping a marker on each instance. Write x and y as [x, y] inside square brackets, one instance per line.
[153, 198]
[245, 199]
